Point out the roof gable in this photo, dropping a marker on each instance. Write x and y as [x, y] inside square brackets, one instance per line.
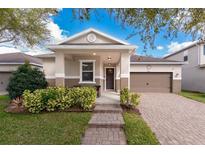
[92, 36]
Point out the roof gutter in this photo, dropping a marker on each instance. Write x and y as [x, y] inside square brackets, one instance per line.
[10, 63]
[83, 47]
[158, 63]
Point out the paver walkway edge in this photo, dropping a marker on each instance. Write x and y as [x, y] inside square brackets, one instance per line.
[106, 126]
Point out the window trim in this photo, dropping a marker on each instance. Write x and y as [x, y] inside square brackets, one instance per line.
[81, 71]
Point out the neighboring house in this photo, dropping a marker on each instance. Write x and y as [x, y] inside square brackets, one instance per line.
[9, 62]
[193, 73]
[92, 57]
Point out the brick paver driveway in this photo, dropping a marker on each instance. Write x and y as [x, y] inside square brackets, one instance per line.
[174, 119]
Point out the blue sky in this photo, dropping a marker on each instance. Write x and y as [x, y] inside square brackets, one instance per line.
[108, 25]
[64, 25]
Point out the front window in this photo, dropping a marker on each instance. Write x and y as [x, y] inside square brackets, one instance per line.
[87, 71]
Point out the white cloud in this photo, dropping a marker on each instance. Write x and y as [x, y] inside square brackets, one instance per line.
[56, 35]
[33, 51]
[56, 32]
[174, 46]
[6, 49]
[160, 47]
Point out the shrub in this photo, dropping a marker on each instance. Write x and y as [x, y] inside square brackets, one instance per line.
[25, 78]
[61, 101]
[33, 101]
[59, 98]
[87, 98]
[134, 100]
[124, 96]
[129, 99]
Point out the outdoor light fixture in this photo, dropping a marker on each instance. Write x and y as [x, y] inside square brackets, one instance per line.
[94, 54]
[109, 58]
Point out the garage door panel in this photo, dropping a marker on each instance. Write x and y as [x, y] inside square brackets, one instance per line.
[4, 80]
[150, 82]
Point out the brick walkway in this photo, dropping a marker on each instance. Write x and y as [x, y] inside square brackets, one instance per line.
[105, 126]
[174, 119]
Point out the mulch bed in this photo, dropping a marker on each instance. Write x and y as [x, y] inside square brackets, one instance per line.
[127, 108]
[13, 108]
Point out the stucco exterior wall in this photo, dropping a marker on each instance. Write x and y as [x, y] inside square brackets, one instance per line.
[49, 67]
[8, 68]
[193, 76]
[175, 69]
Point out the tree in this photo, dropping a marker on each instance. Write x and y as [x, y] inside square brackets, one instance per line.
[149, 23]
[25, 26]
[25, 78]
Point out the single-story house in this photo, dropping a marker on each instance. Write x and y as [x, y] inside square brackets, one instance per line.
[92, 57]
[9, 63]
[193, 72]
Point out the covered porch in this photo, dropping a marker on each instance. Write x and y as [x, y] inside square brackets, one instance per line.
[108, 68]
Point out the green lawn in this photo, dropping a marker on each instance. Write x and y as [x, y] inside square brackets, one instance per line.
[46, 128]
[137, 131]
[194, 95]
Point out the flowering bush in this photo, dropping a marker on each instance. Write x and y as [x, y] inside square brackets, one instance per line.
[59, 98]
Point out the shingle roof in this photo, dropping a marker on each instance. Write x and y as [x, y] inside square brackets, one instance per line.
[136, 58]
[19, 57]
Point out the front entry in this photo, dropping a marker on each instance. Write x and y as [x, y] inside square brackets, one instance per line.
[110, 78]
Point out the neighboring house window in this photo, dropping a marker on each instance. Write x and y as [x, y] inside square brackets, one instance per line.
[87, 68]
[185, 55]
[185, 58]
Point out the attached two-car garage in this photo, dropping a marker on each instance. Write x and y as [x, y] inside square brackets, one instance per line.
[148, 74]
[150, 82]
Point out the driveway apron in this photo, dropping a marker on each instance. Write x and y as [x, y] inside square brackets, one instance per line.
[173, 118]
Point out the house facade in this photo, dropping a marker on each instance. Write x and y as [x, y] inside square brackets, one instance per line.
[193, 72]
[95, 58]
[10, 62]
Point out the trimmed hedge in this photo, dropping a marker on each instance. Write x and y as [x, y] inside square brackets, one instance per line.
[59, 98]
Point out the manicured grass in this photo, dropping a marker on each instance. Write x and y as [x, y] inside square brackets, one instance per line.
[45, 128]
[137, 131]
[194, 95]
[4, 98]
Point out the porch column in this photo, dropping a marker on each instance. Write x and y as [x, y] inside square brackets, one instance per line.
[124, 70]
[60, 69]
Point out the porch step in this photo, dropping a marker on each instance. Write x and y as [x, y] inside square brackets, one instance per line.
[106, 120]
[108, 108]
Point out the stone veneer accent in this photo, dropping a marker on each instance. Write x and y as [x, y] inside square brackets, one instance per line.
[123, 83]
[71, 82]
[176, 86]
[51, 82]
[60, 82]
